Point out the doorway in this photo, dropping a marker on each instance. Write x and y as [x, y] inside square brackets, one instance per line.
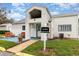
[61, 35]
[38, 30]
[35, 32]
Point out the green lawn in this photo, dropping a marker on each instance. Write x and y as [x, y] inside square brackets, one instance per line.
[57, 47]
[6, 44]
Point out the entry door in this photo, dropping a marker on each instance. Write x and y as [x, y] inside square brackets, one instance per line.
[61, 35]
[38, 30]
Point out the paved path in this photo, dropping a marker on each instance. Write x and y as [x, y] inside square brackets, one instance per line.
[20, 47]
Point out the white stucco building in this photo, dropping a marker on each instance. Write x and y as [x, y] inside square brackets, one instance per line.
[18, 27]
[6, 26]
[60, 26]
[67, 24]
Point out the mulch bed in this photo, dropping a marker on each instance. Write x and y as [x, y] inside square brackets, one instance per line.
[47, 52]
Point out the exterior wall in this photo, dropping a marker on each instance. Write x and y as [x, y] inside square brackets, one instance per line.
[6, 27]
[17, 29]
[73, 20]
[3, 28]
[61, 20]
[43, 20]
[78, 26]
[9, 26]
[45, 17]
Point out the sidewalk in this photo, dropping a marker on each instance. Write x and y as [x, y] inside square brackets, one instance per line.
[20, 47]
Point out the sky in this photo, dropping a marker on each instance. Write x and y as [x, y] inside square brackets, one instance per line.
[18, 9]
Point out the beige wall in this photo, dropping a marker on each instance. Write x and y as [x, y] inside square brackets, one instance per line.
[43, 20]
[73, 20]
[17, 29]
[6, 26]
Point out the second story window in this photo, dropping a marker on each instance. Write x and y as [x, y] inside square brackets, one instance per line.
[35, 14]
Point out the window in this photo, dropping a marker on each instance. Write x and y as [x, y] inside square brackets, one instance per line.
[23, 27]
[64, 28]
[38, 27]
[35, 13]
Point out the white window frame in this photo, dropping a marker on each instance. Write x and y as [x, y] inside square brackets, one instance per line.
[65, 27]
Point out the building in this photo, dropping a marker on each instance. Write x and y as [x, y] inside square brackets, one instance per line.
[60, 26]
[18, 27]
[65, 25]
[6, 26]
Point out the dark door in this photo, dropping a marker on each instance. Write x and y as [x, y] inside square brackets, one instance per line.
[38, 32]
[61, 35]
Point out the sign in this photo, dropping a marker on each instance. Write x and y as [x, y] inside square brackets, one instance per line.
[44, 29]
[44, 39]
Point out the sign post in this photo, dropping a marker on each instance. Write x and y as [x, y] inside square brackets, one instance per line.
[44, 45]
[44, 31]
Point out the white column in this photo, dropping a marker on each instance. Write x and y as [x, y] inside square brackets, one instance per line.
[27, 32]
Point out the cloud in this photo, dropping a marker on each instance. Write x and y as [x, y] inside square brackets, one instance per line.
[18, 4]
[19, 9]
[66, 5]
[54, 13]
[62, 6]
[15, 15]
[17, 12]
[76, 9]
[51, 4]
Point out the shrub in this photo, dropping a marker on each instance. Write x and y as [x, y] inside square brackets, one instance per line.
[3, 31]
[9, 34]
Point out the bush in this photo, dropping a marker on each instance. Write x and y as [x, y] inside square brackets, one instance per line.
[3, 31]
[9, 34]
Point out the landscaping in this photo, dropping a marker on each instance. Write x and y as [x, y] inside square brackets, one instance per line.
[54, 47]
[6, 44]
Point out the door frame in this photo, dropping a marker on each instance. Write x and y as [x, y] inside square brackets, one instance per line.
[37, 30]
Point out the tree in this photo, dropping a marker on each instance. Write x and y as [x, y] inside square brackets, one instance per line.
[3, 17]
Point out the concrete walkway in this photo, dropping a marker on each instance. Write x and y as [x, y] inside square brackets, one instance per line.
[20, 47]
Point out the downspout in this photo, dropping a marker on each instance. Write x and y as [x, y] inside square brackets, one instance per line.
[78, 26]
[49, 28]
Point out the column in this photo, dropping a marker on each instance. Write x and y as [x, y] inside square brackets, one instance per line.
[27, 32]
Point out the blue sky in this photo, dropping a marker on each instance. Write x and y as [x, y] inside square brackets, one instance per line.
[18, 9]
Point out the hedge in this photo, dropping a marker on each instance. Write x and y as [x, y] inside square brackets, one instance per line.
[3, 31]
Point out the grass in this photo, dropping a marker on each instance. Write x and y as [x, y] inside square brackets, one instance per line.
[6, 44]
[57, 47]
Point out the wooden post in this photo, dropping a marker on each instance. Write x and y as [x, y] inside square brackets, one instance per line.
[20, 39]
